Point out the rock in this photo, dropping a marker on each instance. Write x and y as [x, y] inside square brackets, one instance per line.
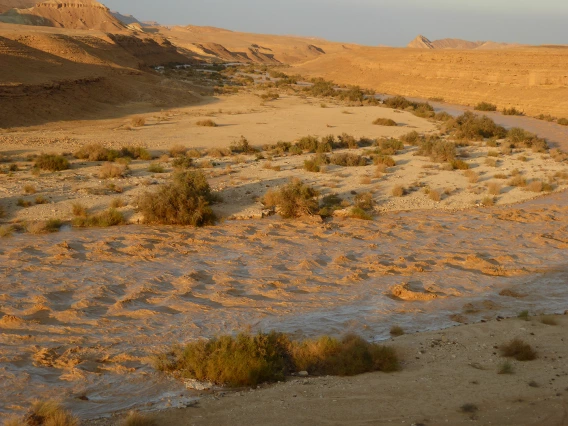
[303, 374]
[197, 385]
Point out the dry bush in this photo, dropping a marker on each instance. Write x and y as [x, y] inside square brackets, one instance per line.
[470, 126]
[518, 181]
[117, 203]
[206, 123]
[269, 166]
[359, 213]
[242, 146]
[398, 191]
[459, 165]
[512, 111]
[156, 168]
[517, 137]
[269, 96]
[293, 199]
[387, 160]
[48, 413]
[194, 153]
[348, 160]
[435, 195]
[485, 106]
[79, 209]
[51, 162]
[184, 201]
[40, 199]
[182, 162]
[558, 155]
[385, 122]
[396, 331]
[380, 169]
[364, 201]
[23, 203]
[519, 350]
[493, 154]
[44, 227]
[488, 201]
[365, 180]
[219, 152]
[178, 151]
[491, 162]
[534, 186]
[494, 188]
[135, 152]
[389, 146]
[437, 149]
[248, 360]
[96, 152]
[562, 121]
[136, 419]
[138, 122]
[500, 176]
[29, 189]
[110, 217]
[472, 177]
[411, 138]
[112, 170]
[316, 163]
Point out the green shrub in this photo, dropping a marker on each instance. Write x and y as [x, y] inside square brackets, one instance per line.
[385, 122]
[346, 141]
[110, 217]
[442, 116]
[437, 149]
[521, 138]
[242, 147]
[547, 117]
[519, 350]
[184, 201]
[389, 146]
[293, 199]
[411, 138]
[312, 144]
[473, 127]
[248, 360]
[485, 106]
[348, 160]
[51, 162]
[399, 102]
[506, 368]
[314, 164]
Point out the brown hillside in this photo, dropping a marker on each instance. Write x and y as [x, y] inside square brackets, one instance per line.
[55, 74]
[422, 42]
[6, 5]
[73, 14]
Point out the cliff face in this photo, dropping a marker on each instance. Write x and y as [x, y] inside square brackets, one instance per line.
[73, 14]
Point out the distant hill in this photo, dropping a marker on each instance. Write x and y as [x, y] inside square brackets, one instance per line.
[6, 5]
[422, 42]
[73, 14]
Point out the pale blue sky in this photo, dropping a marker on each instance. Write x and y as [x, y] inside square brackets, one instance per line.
[369, 22]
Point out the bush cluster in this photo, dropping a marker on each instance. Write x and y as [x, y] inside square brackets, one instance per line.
[485, 106]
[51, 162]
[248, 360]
[519, 138]
[294, 199]
[474, 127]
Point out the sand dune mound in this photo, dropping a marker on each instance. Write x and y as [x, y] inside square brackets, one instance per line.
[422, 42]
[74, 14]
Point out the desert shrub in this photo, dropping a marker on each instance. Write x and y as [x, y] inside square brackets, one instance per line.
[269, 96]
[136, 419]
[434, 195]
[524, 315]
[184, 201]
[442, 116]
[488, 201]
[29, 189]
[459, 165]
[23, 203]
[79, 209]
[385, 122]
[437, 149]
[352, 94]
[558, 155]
[312, 144]
[534, 186]
[506, 368]
[6, 230]
[411, 138]
[500, 176]
[96, 152]
[493, 154]
[117, 203]
[206, 123]
[562, 121]
[398, 191]
[348, 160]
[314, 164]
[242, 146]
[156, 168]
[219, 152]
[40, 199]
[387, 160]
[182, 162]
[546, 117]
[494, 188]
[473, 127]
[359, 213]
[138, 122]
[519, 350]
[491, 162]
[389, 146]
[48, 413]
[521, 138]
[110, 217]
[44, 227]
[136, 153]
[518, 181]
[178, 151]
[321, 88]
[112, 170]
[396, 331]
[512, 111]
[364, 201]
[248, 360]
[549, 320]
[472, 177]
[469, 408]
[293, 199]
[51, 162]
[400, 102]
[485, 106]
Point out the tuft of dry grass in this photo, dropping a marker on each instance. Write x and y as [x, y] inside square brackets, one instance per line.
[178, 151]
[110, 217]
[136, 419]
[434, 195]
[112, 170]
[138, 122]
[156, 168]
[518, 181]
[44, 227]
[51, 162]
[488, 201]
[398, 191]
[385, 122]
[519, 350]
[29, 189]
[206, 123]
[494, 188]
[79, 209]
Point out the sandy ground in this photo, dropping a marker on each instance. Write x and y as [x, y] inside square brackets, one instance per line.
[243, 179]
[442, 371]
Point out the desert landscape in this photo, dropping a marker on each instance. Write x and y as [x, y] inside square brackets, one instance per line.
[203, 226]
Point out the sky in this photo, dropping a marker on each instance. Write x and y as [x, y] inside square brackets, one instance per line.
[370, 22]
